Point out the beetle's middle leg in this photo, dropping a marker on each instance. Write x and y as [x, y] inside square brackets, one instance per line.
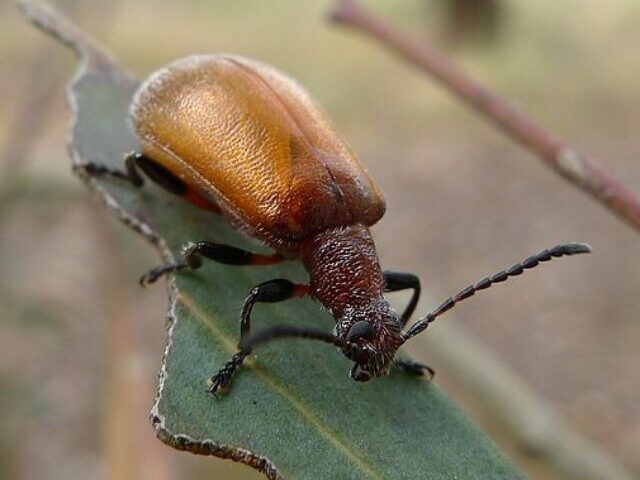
[395, 281]
[218, 252]
[272, 291]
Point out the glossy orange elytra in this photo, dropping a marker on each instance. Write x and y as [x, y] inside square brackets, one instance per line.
[240, 138]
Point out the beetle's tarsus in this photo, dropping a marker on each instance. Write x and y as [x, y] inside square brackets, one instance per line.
[221, 381]
[155, 273]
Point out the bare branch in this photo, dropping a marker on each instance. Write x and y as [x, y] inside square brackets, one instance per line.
[580, 170]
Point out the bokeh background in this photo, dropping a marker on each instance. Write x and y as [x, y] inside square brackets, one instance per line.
[80, 343]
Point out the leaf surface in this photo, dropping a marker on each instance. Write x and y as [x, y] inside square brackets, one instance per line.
[292, 411]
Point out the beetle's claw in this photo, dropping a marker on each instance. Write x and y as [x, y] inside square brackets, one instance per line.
[147, 279]
[155, 273]
[219, 384]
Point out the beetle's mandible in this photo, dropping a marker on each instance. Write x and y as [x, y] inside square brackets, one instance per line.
[242, 139]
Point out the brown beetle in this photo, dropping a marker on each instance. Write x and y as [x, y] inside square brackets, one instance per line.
[238, 137]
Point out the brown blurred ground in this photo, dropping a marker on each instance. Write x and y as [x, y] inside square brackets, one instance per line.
[463, 201]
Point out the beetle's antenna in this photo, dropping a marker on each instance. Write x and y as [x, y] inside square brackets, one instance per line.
[517, 269]
[284, 331]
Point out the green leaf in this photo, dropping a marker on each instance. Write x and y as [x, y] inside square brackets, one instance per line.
[292, 411]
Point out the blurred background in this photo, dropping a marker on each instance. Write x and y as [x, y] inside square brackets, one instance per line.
[80, 343]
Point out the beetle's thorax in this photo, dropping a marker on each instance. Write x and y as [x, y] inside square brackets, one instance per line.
[344, 270]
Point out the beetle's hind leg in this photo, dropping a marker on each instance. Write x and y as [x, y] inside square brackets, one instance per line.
[272, 291]
[136, 164]
[131, 172]
[226, 254]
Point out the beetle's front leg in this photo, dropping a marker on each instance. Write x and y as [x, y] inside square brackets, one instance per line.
[218, 252]
[272, 291]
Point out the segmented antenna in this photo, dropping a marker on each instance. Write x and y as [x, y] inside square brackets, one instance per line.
[517, 269]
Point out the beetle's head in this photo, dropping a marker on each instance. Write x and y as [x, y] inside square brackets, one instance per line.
[372, 335]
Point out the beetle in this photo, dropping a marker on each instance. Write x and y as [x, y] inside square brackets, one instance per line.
[238, 137]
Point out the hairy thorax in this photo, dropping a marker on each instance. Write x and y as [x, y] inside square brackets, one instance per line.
[343, 268]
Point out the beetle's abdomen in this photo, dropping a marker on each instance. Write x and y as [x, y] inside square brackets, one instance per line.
[254, 142]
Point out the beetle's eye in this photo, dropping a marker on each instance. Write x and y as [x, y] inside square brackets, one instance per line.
[360, 329]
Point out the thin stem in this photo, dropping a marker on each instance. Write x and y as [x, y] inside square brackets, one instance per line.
[580, 170]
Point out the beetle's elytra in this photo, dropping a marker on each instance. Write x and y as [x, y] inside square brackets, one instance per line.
[242, 139]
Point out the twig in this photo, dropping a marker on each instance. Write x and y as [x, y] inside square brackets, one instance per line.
[580, 170]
